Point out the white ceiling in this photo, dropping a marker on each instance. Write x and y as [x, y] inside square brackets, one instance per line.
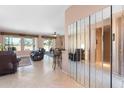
[34, 19]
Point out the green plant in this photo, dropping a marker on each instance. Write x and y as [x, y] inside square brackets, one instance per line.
[2, 48]
[13, 48]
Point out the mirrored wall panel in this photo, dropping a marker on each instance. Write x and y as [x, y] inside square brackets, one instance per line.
[106, 47]
[93, 51]
[82, 46]
[99, 48]
[72, 50]
[78, 51]
[74, 61]
[69, 49]
[87, 40]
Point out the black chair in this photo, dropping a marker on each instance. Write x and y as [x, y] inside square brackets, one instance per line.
[78, 55]
[37, 55]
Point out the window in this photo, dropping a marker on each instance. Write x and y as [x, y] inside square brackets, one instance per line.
[18, 42]
[29, 44]
[49, 43]
[13, 42]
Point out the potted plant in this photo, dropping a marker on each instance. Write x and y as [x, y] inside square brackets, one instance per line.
[13, 49]
[2, 48]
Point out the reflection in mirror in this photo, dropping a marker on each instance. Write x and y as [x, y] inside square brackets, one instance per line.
[106, 46]
[71, 64]
[92, 51]
[99, 29]
[86, 29]
[82, 45]
[69, 48]
[78, 51]
[74, 50]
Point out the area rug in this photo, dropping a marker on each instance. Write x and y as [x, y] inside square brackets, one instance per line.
[25, 61]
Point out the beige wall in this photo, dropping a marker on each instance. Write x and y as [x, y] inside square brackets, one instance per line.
[77, 12]
[40, 41]
[60, 42]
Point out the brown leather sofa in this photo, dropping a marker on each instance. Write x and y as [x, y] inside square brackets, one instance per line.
[8, 62]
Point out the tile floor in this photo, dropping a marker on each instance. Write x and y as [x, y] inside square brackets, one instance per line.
[38, 75]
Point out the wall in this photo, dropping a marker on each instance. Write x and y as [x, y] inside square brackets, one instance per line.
[60, 42]
[40, 41]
